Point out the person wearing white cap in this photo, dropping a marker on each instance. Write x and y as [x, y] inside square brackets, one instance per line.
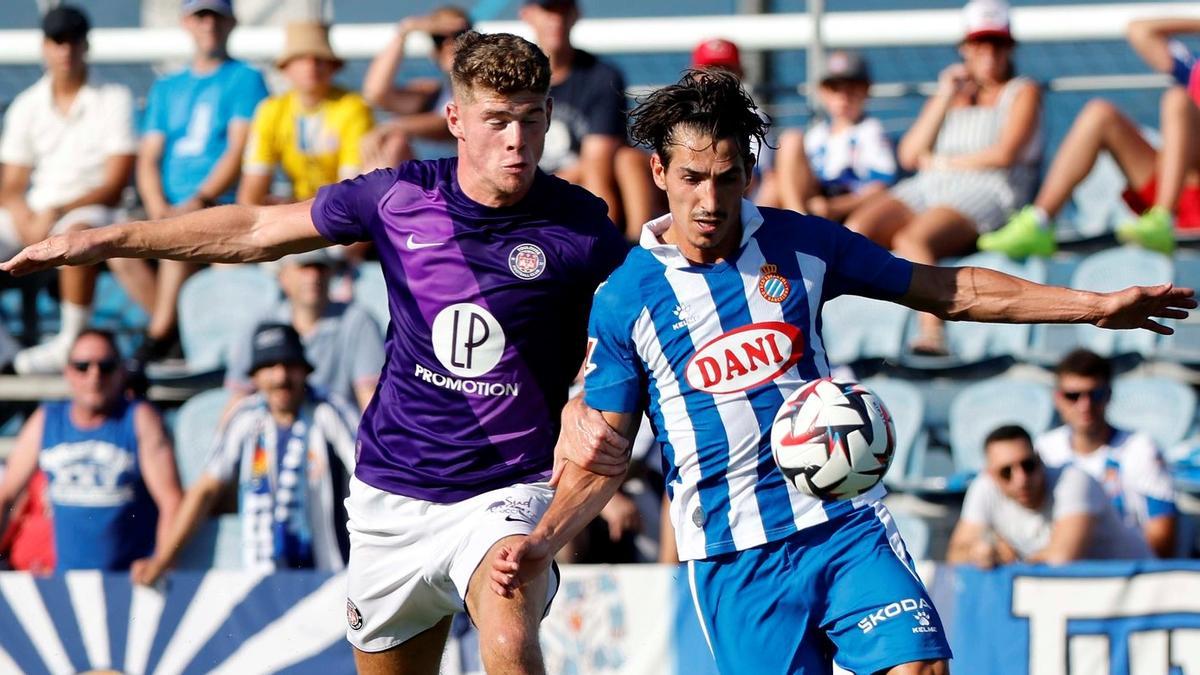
[1163, 185]
[313, 132]
[975, 147]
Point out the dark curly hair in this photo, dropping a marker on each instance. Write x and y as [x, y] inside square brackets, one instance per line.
[709, 100]
[499, 62]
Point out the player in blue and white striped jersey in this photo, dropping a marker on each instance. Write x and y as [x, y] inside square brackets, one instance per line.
[709, 325]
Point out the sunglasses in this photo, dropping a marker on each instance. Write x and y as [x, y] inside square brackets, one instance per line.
[1028, 465]
[439, 40]
[106, 366]
[1097, 395]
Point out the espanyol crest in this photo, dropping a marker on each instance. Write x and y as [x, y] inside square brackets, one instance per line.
[527, 261]
[772, 285]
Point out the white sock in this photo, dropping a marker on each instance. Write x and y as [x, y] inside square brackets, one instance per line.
[1040, 215]
[75, 319]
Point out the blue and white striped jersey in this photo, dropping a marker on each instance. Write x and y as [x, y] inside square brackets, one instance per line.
[711, 351]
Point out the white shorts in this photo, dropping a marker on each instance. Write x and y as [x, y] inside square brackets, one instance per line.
[93, 215]
[411, 560]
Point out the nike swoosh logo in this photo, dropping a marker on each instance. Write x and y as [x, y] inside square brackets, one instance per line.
[518, 520]
[414, 246]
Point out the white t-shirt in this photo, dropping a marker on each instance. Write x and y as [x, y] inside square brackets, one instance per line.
[1130, 469]
[67, 152]
[846, 161]
[1071, 492]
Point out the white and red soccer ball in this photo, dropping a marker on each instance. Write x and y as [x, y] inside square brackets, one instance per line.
[833, 440]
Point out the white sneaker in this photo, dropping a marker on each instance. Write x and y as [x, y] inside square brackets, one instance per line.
[48, 358]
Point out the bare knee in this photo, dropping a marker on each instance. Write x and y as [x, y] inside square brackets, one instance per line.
[510, 648]
[1098, 112]
[921, 668]
[1175, 99]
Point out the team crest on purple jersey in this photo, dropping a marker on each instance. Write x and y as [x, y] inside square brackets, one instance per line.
[527, 261]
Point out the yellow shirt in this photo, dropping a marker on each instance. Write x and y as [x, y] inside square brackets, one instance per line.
[314, 147]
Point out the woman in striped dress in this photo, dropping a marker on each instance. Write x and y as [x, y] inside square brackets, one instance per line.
[975, 148]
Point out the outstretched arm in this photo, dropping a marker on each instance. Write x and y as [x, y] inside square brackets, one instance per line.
[196, 505]
[227, 234]
[580, 497]
[1150, 39]
[978, 294]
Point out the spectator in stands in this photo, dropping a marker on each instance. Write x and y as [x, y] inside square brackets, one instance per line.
[419, 105]
[193, 136]
[840, 163]
[289, 452]
[109, 464]
[1021, 510]
[1128, 464]
[67, 153]
[586, 143]
[1164, 187]
[342, 341]
[313, 132]
[975, 148]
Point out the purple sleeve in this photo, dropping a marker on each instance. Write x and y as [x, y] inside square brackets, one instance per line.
[346, 212]
[858, 266]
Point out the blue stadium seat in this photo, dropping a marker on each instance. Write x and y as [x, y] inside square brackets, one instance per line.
[856, 328]
[907, 406]
[1097, 206]
[973, 342]
[370, 291]
[1109, 270]
[916, 533]
[218, 541]
[195, 428]
[1184, 345]
[1114, 270]
[982, 407]
[1163, 407]
[219, 305]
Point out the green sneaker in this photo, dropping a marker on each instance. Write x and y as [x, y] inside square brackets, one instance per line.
[1154, 229]
[1020, 237]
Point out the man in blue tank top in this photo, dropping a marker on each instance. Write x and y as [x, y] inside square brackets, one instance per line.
[110, 464]
[490, 267]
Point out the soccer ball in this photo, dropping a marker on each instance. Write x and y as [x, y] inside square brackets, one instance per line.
[833, 440]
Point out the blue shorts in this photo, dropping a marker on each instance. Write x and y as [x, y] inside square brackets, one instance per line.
[845, 590]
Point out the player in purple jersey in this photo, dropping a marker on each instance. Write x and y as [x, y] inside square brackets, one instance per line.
[490, 266]
[803, 585]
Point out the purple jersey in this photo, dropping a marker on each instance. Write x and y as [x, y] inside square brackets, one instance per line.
[488, 324]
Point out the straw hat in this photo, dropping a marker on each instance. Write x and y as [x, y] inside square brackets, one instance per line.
[307, 38]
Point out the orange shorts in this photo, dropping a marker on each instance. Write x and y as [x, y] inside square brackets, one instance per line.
[1187, 212]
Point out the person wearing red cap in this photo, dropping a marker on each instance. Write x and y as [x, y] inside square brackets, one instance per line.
[1163, 187]
[975, 146]
[718, 53]
[839, 163]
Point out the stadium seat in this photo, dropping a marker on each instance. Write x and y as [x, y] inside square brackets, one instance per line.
[907, 406]
[219, 305]
[982, 407]
[218, 541]
[1108, 270]
[856, 328]
[1184, 345]
[916, 533]
[370, 290]
[1097, 207]
[1163, 407]
[195, 427]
